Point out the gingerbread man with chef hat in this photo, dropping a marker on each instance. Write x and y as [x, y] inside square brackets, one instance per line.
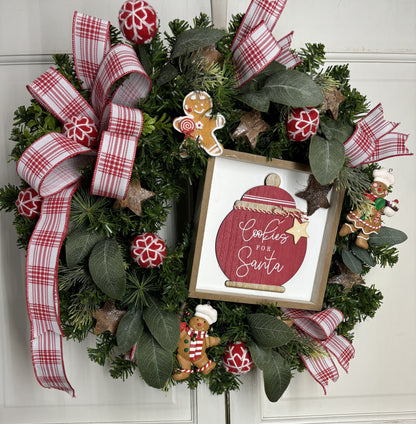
[368, 220]
[193, 342]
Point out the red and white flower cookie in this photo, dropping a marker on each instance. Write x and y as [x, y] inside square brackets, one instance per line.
[29, 203]
[302, 123]
[138, 21]
[148, 250]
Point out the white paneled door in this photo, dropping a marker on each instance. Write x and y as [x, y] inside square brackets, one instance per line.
[378, 39]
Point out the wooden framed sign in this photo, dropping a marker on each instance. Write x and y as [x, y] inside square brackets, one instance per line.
[254, 241]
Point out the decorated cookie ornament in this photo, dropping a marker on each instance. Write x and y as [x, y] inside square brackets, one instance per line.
[29, 203]
[81, 129]
[198, 123]
[237, 359]
[302, 123]
[368, 220]
[193, 342]
[262, 242]
[148, 250]
[138, 21]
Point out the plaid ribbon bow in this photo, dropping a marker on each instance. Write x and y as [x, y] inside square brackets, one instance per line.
[374, 140]
[321, 327]
[254, 46]
[50, 165]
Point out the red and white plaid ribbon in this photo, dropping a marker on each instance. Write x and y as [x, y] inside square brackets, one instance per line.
[42, 290]
[321, 327]
[374, 140]
[51, 166]
[254, 46]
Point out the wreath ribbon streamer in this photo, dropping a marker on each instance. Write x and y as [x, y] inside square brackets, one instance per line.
[51, 166]
[254, 46]
[374, 140]
[321, 328]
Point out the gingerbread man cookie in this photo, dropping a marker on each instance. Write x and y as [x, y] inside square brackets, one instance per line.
[369, 222]
[198, 122]
[193, 342]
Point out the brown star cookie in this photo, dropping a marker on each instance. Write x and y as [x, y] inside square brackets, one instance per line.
[315, 195]
[134, 198]
[107, 318]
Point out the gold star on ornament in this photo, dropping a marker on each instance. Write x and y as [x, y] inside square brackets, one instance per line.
[315, 195]
[134, 198]
[333, 98]
[298, 230]
[251, 125]
[107, 318]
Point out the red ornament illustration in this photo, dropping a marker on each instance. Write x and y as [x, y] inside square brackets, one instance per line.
[138, 21]
[302, 123]
[263, 241]
[148, 250]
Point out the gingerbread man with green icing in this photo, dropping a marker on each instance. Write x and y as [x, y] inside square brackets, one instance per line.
[198, 123]
[193, 342]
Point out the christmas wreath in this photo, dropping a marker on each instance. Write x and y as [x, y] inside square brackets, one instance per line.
[105, 155]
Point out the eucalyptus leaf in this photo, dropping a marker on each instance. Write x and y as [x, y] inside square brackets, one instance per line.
[257, 100]
[129, 329]
[155, 363]
[336, 130]
[79, 244]
[387, 236]
[261, 356]
[194, 39]
[269, 331]
[164, 326]
[293, 88]
[363, 255]
[351, 261]
[326, 159]
[167, 74]
[276, 377]
[107, 268]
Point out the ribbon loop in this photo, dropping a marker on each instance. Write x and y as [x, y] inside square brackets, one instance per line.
[56, 94]
[117, 152]
[321, 328]
[120, 61]
[90, 44]
[254, 46]
[254, 53]
[51, 163]
[266, 11]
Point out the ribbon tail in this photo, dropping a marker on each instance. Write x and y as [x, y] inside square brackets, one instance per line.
[254, 53]
[322, 369]
[42, 290]
[341, 348]
[392, 144]
[286, 56]
[362, 145]
[259, 11]
[90, 44]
